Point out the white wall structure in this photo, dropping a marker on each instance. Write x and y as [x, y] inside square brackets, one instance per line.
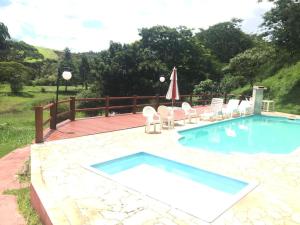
[258, 95]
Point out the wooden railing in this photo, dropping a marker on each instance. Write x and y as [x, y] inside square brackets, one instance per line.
[106, 105]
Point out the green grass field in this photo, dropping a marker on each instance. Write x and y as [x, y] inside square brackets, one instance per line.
[17, 115]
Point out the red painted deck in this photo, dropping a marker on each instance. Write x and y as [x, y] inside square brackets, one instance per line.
[95, 125]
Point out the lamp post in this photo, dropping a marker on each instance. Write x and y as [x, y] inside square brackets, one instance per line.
[66, 75]
[161, 80]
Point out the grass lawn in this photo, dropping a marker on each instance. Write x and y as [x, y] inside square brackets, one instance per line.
[16, 130]
[17, 115]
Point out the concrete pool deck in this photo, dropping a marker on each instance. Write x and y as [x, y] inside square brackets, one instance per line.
[71, 194]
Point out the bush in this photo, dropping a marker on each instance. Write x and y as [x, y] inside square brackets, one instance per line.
[64, 107]
[16, 74]
[206, 86]
[88, 104]
[45, 81]
[16, 87]
[229, 83]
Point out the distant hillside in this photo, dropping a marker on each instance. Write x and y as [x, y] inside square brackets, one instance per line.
[47, 53]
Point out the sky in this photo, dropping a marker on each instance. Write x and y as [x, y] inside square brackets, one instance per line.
[90, 25]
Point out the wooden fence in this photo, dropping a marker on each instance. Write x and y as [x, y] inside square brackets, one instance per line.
[106, 105]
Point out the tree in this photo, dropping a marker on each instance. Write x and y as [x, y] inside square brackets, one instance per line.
[225, 39]
[98, 69]
[4, 35]
[282, 25]
[84, 70]
[15, 74]
[67, 64]
[229, 83]
[206, 86]
[249, 63]
[179, 47]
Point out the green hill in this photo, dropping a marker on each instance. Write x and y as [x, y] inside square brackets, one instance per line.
[283, 87]
[47, 53]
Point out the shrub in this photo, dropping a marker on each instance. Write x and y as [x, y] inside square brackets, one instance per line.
[206, 86]
[229, 83]
[64, 107]
[16, 74]
[88, 104]
[51, 80]
[16, 84]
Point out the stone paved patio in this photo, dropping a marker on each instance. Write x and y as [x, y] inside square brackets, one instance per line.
[72, 194]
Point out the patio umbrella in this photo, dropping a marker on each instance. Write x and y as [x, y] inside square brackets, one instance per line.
[173, 92]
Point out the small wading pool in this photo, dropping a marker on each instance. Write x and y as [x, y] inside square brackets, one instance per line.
[201, 193]
[251, 134]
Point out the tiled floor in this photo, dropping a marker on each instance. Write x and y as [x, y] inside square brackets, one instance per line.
[72, 194]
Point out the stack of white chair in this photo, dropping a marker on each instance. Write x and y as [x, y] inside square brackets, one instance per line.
[189, 112]
[250, 104]
[215, 109]
[245, 107]
[166, 116]
[231, 108]
[152, 118]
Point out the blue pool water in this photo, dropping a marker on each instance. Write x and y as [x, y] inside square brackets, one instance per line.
[213, 180]
[253, 134]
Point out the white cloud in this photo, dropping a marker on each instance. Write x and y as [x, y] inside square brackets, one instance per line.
[58, 24]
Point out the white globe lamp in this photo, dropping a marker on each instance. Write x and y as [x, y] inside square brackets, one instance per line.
[162, 79]
[67, 75]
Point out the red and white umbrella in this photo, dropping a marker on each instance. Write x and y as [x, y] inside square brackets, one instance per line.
[173, 92]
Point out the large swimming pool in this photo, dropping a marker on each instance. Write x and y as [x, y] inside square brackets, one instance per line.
[252, 134]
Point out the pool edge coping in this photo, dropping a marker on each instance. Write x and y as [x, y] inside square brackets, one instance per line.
[234, 200]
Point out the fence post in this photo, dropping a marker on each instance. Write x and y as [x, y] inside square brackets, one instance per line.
[38, 124]
[134, 104]
[72, 108]
[53, 116]
[106, 106]
[157, 101]
[191, 99]
[225, 98]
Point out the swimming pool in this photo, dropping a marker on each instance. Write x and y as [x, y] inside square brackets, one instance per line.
[199, 192]
[251, 134]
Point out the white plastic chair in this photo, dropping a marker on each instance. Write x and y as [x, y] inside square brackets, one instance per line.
[166, 116]
[189, 112]
[231, 107]
[215, 109]
[152, 118]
